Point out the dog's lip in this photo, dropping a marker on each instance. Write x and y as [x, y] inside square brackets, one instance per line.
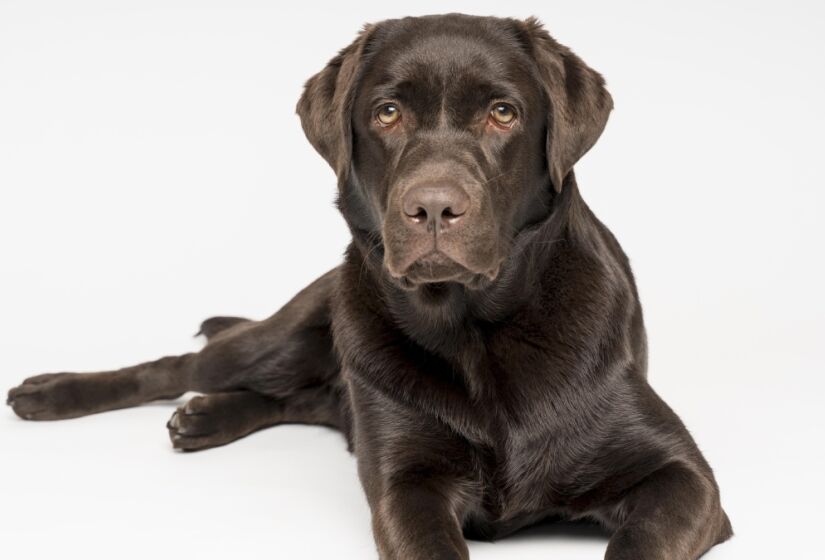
[436, 267]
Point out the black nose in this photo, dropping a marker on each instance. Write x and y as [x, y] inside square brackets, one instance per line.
[434, 206]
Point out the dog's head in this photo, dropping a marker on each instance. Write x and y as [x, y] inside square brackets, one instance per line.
[450, 134]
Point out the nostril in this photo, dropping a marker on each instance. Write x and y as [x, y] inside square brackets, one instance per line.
[451, 215]
[417, 215]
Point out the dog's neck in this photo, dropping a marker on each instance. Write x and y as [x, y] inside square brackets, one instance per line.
[441, 317]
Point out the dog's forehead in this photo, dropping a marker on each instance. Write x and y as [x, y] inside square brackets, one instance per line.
[445, 56]
[442, 59]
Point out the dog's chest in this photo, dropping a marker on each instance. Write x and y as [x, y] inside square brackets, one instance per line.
[538, 447]
[523, 478]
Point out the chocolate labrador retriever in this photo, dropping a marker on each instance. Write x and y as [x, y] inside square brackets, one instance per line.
[482, 345]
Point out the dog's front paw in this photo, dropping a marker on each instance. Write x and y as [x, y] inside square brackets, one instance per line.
[51, 396]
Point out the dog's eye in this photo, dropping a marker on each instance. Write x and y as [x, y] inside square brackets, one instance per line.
[388, 114]
[503, 114]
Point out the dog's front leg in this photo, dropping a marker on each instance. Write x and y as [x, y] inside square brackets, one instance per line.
[418, 477]
[674, 514]
[417, 520]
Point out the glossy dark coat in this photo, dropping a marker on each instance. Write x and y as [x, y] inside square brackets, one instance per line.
[474, 406]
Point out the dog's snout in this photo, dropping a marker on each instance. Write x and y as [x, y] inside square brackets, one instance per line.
[435, 206]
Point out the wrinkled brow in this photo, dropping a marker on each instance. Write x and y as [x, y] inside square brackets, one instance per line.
[468, 92]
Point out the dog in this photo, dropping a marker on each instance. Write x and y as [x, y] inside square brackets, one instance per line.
[482, 346]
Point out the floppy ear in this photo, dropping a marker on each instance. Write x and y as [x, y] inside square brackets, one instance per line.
[579, 102]
[325, 106]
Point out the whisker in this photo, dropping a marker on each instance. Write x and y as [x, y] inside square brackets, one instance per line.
[493, 178]
[373, 238]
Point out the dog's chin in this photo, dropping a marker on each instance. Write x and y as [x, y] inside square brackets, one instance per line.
[434, 271]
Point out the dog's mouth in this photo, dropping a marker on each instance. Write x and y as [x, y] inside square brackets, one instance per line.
[437, 268]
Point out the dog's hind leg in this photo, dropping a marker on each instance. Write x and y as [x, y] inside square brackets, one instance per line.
[220, 418]
[278, 357]
[56, 396]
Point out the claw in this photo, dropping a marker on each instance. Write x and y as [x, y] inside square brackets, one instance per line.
[173, 424]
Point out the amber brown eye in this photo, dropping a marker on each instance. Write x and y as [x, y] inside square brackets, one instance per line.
[503, 114]
[388, 114]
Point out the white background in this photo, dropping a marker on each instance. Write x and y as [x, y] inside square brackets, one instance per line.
[153, 173]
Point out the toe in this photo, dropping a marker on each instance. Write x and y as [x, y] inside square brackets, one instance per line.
[196, 405]
[195, 425]
[42, 378]
[24, 401]
[26, 405]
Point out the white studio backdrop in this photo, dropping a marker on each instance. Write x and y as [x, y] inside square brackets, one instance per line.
[153, 173]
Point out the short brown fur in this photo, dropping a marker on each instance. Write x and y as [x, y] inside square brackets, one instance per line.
[488, 372]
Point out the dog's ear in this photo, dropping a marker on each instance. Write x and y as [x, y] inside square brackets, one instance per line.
[579, 102]
[325, 106]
